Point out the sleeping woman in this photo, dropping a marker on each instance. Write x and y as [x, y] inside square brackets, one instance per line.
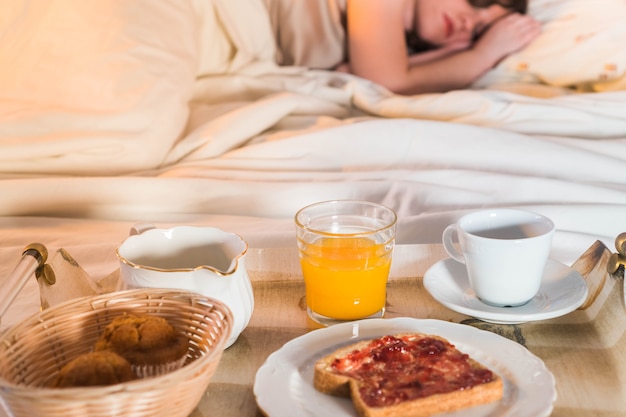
[407, 46]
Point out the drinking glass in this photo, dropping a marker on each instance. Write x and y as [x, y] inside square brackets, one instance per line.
[345, 250]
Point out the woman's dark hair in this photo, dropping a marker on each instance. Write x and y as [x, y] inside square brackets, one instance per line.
[518, 6]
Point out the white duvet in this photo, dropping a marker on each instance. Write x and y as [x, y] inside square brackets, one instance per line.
[173, 111]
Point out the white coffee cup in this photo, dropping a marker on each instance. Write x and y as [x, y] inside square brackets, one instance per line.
[505, 252]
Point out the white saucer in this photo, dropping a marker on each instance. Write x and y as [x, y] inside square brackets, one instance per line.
[562, 291]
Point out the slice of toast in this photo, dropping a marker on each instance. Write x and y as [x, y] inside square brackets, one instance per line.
[406, 375]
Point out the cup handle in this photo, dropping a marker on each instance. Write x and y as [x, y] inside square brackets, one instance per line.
[139, 228]
[448, 244]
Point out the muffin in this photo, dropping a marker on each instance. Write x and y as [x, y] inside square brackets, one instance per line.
[149, 343]
[94, 369]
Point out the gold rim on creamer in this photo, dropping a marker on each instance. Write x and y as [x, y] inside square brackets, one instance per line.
[234, 262]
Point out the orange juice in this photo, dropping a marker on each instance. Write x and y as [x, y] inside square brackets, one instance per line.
[345, 277]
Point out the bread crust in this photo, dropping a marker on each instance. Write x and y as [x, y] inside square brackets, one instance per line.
[328, 381]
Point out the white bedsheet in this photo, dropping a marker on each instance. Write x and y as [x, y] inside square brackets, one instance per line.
[269, 156]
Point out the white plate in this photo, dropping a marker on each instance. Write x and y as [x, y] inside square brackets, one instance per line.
[284, 383]
[562, 291]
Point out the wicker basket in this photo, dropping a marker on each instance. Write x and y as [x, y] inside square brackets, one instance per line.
[33, 352]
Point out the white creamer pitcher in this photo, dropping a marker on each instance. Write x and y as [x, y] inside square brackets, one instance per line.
[205, 260]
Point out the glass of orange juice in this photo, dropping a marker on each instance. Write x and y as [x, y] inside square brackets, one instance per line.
[345, 249]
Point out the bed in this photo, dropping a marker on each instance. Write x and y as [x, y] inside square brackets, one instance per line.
[174, 112]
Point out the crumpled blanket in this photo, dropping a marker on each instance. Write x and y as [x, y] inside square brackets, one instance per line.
[110, 87]
[181, 114]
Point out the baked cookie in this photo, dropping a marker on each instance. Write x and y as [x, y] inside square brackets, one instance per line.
[94, 369]
[149, 343]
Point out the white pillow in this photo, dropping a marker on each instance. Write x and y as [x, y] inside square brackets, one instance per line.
[94, 86]
[582, 45]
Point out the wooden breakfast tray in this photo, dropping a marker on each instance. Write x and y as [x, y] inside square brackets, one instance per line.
[585, 350]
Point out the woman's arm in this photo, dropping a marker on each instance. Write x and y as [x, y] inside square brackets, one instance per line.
[460, 69]
[376, 43]
[435, 54]
[378, 51]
